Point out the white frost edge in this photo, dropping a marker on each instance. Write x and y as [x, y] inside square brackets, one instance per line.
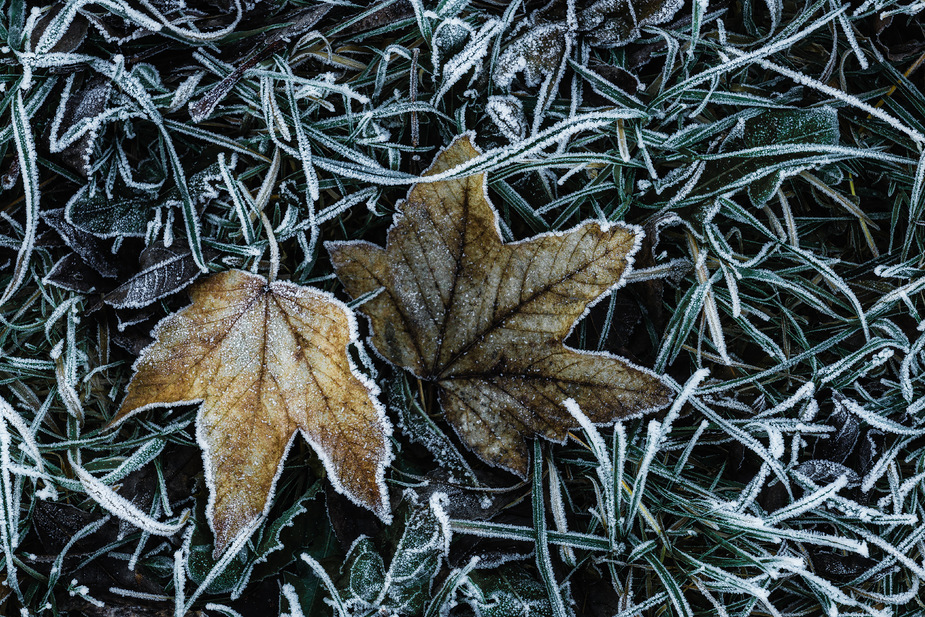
[170, 260]
[384, 514]
[373, 391]
[604, 225]
[438, 504]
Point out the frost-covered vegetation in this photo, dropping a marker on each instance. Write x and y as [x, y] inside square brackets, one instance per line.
[772, 151]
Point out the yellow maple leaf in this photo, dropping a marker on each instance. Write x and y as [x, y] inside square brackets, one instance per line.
[486, 320]
[266, 360]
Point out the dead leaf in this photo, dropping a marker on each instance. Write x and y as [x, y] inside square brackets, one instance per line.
[164, 272]
[613, 23]
[71, 273]
[94, 252]
[538, 53]
[87, 104]
[486, 320]
[265, 359]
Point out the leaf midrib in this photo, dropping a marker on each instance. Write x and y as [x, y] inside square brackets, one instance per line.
[500, 320]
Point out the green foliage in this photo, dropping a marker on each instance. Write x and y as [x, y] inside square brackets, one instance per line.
[269, 540]
[771, 152]
[403, 588]
[506, 590]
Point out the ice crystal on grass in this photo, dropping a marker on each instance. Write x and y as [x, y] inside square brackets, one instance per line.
[780, 186]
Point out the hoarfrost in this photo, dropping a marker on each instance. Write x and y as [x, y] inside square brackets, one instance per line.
[420, 428]
[467, 59]
[612, 23]
[91, 250]
[121, 507]
[537, 54]
[507, 112]
[94, 212]
[28, 165]
[170, 272]
[449, 38]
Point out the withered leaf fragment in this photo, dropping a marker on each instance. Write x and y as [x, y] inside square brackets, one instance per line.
[613, 23]
[266, 360]
[164, 272]
[486, 320]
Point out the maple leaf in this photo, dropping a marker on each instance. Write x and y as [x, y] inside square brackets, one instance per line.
[486, 320]
[266, 360]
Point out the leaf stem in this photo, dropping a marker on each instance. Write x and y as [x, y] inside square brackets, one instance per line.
[424, 405]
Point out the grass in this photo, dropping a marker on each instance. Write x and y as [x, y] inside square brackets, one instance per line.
[772, 152]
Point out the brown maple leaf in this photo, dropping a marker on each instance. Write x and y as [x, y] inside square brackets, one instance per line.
[266, 360]
[486, 320]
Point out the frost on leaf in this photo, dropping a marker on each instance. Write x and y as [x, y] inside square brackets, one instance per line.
[405, 587]
[163, 272]
[449, 38]
[124, 216]
[91, 250]
[507, 112]
[538, 53]
[506, 590]
[78, 120]
[71, 273]
[486, 320]
[266, 360]
[789, 135]
[611, 23]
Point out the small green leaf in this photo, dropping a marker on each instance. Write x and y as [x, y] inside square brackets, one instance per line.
[762, 173]
[417, 559]
[268, 542]
[367, 572]
[792, 126]
[761, 190]
[506, 590]
[200, 562]
[125, 215]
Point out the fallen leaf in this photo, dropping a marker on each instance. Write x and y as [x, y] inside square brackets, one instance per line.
[538, 54]
[612, 23]
[87, 107]
[896, 38]
[405, 587]
[540, 50]
[164, 272]
[94, 252]
[836, 566]
[266, 360]
[507, 112]
[71, 273]
[124, 215]
[506, 590]
[486, 320]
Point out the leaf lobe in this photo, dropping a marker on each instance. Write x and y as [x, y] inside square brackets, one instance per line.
[487, 320]
[266, 360]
